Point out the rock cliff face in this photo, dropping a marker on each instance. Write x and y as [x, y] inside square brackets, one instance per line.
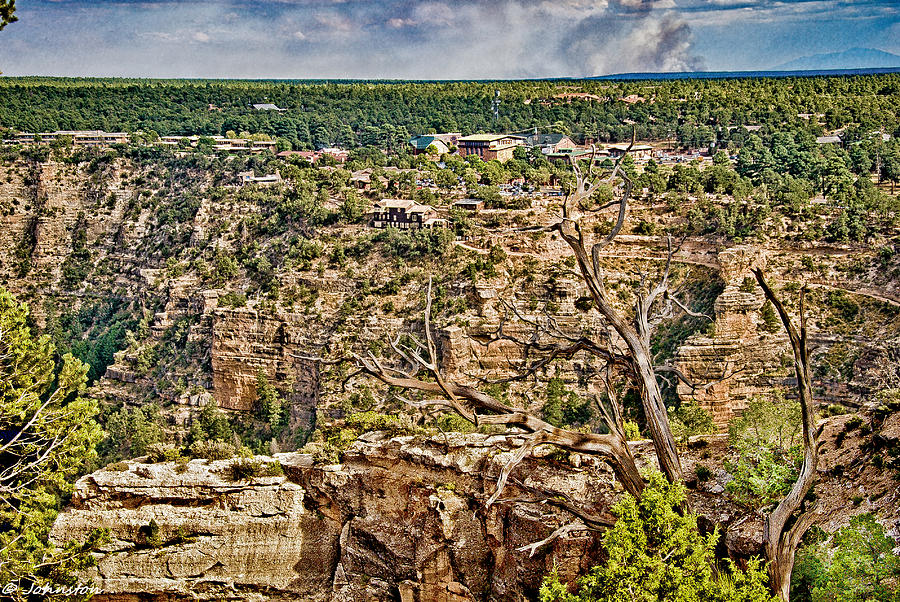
[401, 518]
[405, 519]
[731, 365]
[245, 342]
[49, 209]
[194, 531]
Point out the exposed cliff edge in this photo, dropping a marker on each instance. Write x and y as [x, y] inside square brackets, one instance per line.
[401, 518]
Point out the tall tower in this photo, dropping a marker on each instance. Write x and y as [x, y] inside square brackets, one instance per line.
[495, 106]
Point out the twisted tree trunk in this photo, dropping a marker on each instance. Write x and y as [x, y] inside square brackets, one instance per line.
[781, 543]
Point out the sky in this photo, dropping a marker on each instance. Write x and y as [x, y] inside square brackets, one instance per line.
[430, 39]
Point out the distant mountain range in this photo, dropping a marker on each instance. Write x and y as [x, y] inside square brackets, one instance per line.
[855, 58]
[856, 61]
[744, 74]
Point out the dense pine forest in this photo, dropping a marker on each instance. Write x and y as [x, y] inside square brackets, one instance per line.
[358, 113]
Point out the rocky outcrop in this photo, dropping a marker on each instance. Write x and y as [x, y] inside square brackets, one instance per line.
[179, 534]
[401, 518]
[726, 369]
[405, 518]
[412, 512]
[246, 342]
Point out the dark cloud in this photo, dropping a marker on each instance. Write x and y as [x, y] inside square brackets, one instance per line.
[655, 40]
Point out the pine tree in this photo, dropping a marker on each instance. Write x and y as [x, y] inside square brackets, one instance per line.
[47, 433]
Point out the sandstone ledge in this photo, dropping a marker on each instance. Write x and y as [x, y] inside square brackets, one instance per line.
[400, 519]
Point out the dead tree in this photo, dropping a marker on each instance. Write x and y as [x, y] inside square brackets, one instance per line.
[780, 541]
[635, 333]
[417, 367]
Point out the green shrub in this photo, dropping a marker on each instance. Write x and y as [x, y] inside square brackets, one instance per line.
[703, 473]
[564, 408]
[766, 440]
[163, 452]
[151, 534]
[763, 477]
[645, 228]
[853, 423]
[118, 466]
[233, 300]
[212, 450]
[365, 422]
[269, 407]
[451, 422]
[77, 265]
[245, 469]
[632, 431]
[584, 303]
[846, 308]
[412, 244]
[835, 409]
[212, 425]
[272, 469]
[856, 564]
[690, 420]
[771, 321]
[656, 552]
[182, 535]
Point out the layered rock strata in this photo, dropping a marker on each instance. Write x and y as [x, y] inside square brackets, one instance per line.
[246, 343]
[406, 518]
[401, 518]
[727, 368]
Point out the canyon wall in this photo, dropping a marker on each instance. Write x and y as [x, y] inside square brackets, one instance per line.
[114, 230]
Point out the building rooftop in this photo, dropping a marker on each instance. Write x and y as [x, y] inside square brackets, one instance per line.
[424, 141]
[533, 139]
[487, 137]
[409, 206]
[636, 147]
[75, 133]
[577, 154]
[394, 203]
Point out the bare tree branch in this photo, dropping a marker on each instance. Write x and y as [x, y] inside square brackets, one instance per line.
[564, 530]
[526, 448]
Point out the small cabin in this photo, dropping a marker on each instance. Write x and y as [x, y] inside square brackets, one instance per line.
[404, 214]
[472, 205]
